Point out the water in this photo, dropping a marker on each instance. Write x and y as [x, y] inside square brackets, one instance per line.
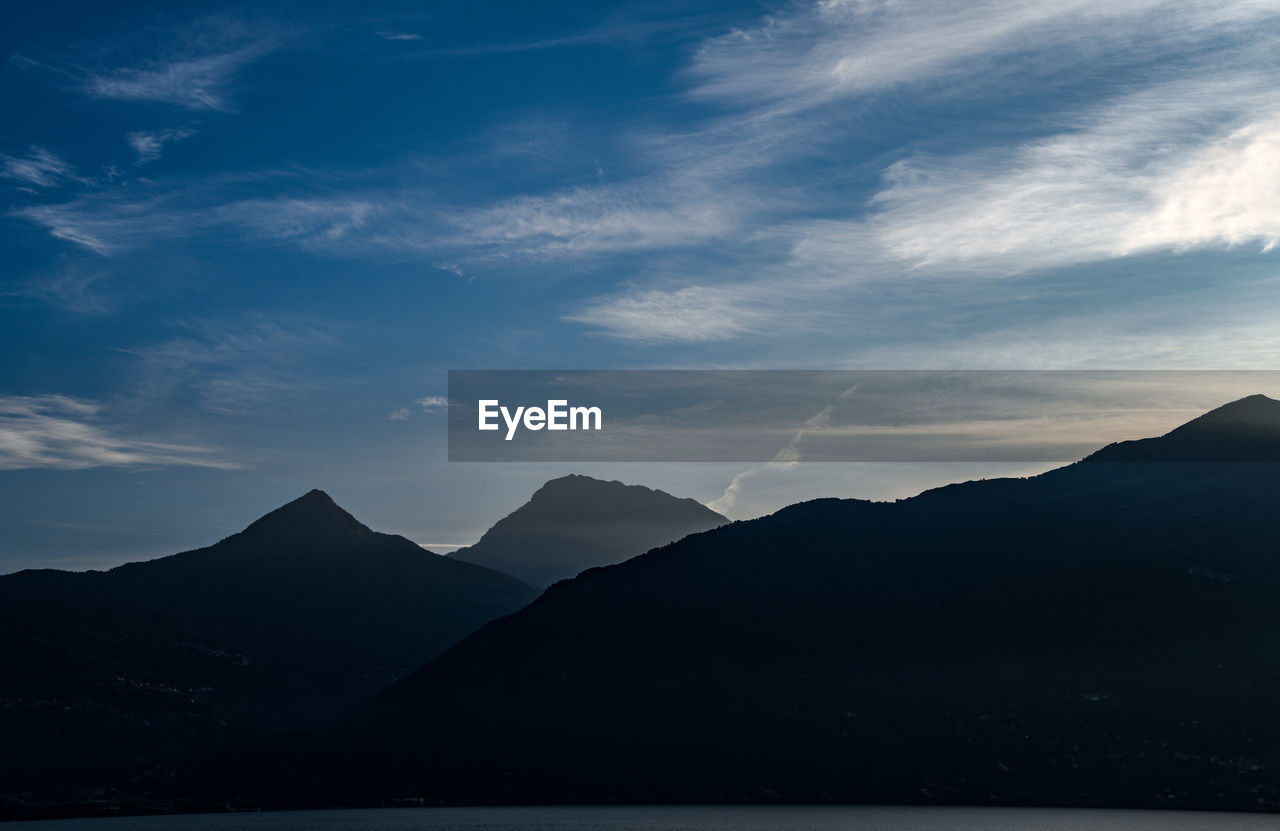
[700, 818]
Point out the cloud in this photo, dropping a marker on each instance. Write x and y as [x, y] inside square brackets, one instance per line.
[430, 404]
[1093, 132]
[1181, 166]
[693, 314]
[148, 146]
[109, 222]
[40, 168]
[73, 289]
[385, 35]
[196, 84]
[192, 67]
[58, 432]
[643, 215]
[835, 50]
[239, 367]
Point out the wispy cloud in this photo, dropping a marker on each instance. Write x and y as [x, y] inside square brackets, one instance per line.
[689, 315]
[236, 367]
[40, 168]
[810, 56]
[60, 432]
[73, 288]
[192, 67]
[1178, 149]
[198, 83]
[111, 221]
[149, 145]
[1115, 186]
[593, 220]
[429, 404]
[388, 35]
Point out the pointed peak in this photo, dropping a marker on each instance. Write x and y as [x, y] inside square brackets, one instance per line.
[314, 513]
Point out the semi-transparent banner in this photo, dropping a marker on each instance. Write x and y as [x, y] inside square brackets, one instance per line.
[824, 415]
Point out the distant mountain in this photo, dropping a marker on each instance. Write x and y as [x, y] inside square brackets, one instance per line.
[1102, 634]
[576, 522]
[115, 678]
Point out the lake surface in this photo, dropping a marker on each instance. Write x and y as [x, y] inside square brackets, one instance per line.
[699, 818]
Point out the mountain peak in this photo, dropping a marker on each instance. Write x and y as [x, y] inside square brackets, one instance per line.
[576, 522]
[312, 515]
[578, 483]
[1255, 411]
[1244, 430]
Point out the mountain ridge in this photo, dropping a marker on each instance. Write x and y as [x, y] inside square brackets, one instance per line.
[1098, 634]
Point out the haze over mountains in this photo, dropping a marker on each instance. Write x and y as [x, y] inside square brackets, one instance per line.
[1103, 634]
[119, 676]
[576, 522]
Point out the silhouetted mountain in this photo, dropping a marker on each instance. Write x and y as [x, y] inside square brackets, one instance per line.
[1102, 634]
[577, 522]
[112, 678]
[1247, 430]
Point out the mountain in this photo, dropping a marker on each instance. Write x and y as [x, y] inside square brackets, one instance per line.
[1102, 634]
[118, 677]
[1247, 430]
[576, 522]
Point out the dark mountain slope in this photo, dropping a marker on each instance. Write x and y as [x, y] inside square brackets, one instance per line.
[1106, 633]
[1247, 430]
[115, 677]
[577, 522]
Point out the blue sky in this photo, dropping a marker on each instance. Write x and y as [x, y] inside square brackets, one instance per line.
[243, 244]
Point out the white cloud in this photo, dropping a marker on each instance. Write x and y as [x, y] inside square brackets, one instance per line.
[194, 80]
[584, 221]
[1181, 166]
[58, 432]
[1179, 148]
[842, 49]
[109, 222]
[40, 167]
[399, 414]
[385, 35]
[148, 146]
[688, 315]
[192, 66]
[433, 403]
[318, 221]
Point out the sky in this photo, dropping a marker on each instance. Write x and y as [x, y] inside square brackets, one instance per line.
[243, 244]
